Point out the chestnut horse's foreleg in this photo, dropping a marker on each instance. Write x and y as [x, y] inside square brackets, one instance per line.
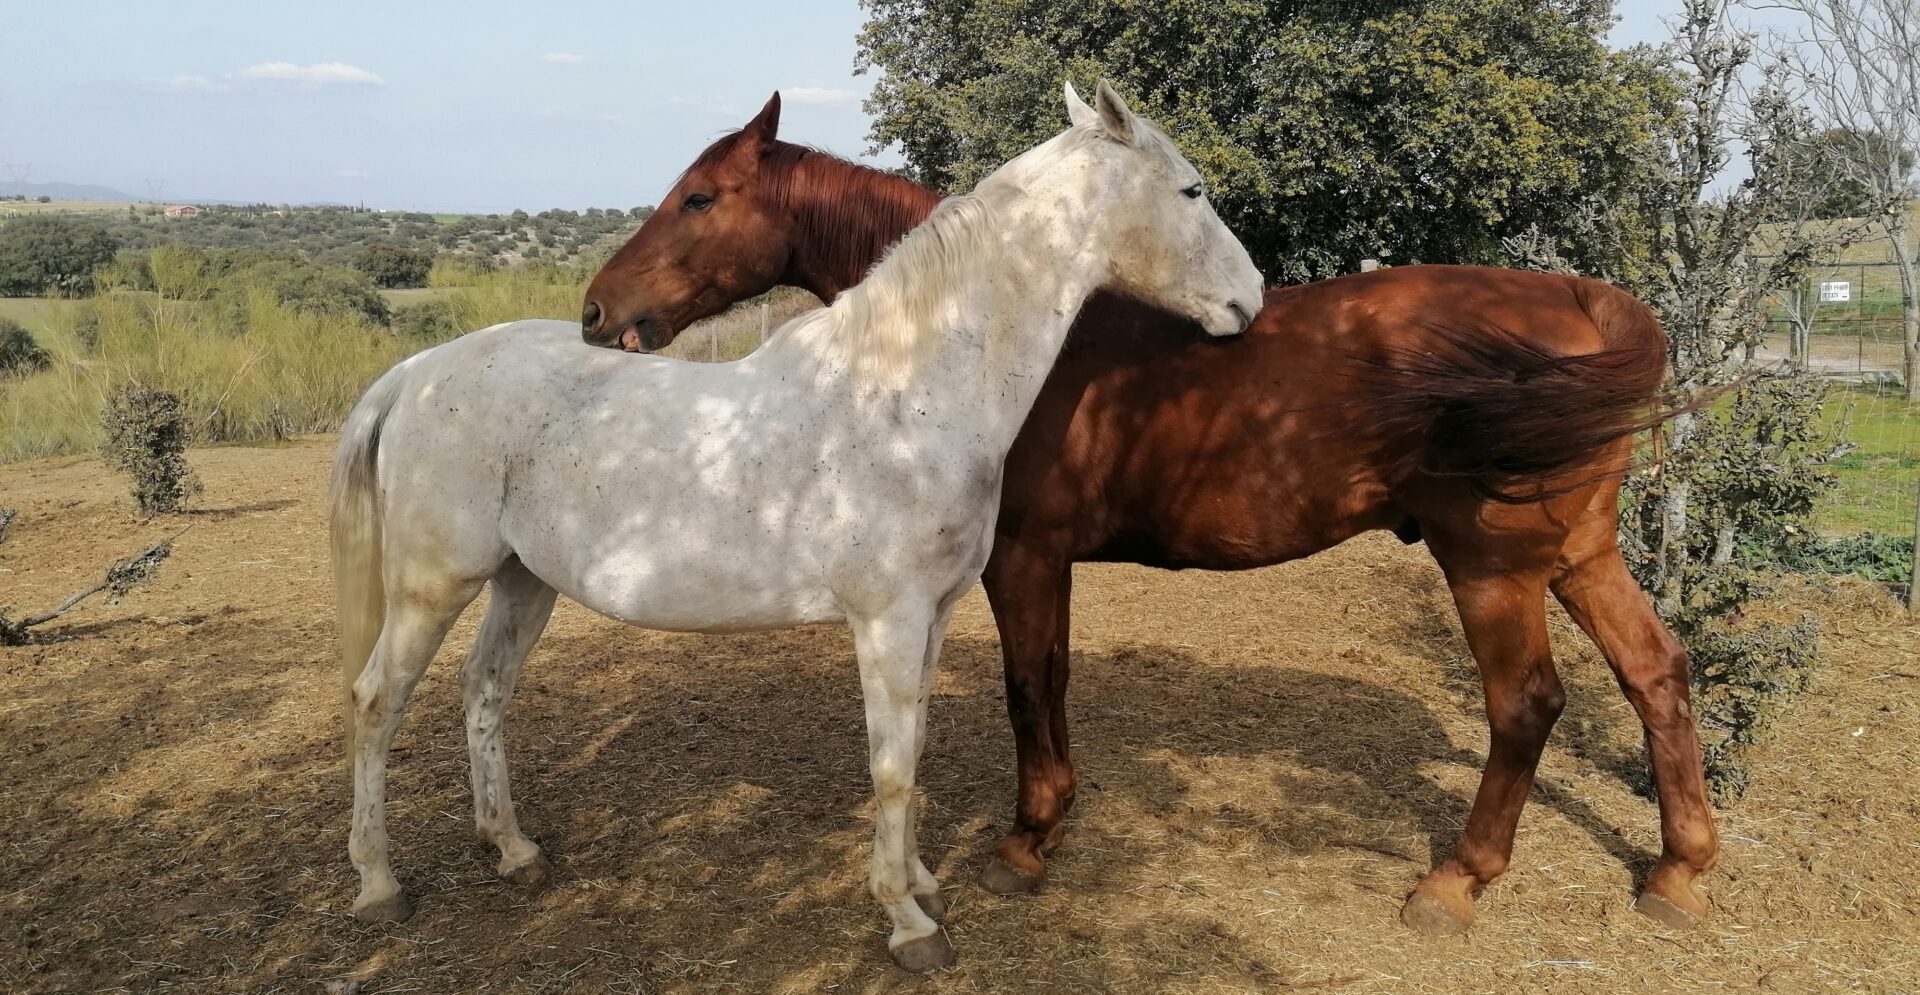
[516, 615]
[1651, 665]
[1031, 595]
[894, 652]
[1504, 615]
[416, 623]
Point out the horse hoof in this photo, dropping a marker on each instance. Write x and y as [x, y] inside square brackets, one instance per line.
[1665, 912]
[393, 908]
[1002, 878]
[928, 953]
[535, 873]
[1428, 917]
[934, 905]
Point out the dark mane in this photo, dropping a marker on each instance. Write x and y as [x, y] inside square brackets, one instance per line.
[849, 214]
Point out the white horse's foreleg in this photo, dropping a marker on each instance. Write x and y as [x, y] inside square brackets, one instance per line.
[414, 629]
[926, 887]
[516, 616]
[893, 653]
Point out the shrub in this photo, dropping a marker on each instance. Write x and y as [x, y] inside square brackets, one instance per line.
[426, 322]
[326, 291]
[147, 439]
[1884, 559]
[19, 353]
[393, 266]
[1751, 470]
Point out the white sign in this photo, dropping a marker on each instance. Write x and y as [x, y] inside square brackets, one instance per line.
[1842, 291]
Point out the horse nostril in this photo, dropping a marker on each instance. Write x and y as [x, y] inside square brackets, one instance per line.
[1240, 311]
[590, 317]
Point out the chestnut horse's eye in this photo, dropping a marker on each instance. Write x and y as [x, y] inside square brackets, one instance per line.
[696, 202]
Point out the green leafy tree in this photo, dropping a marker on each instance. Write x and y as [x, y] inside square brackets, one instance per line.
[52, 254]
[1329, 130]
[390, 265]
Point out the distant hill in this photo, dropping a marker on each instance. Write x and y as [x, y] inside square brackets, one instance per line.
[64, 191]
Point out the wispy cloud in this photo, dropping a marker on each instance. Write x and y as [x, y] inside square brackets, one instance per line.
[186, 82]
[818, 95]
[319, 73]
[563, 58]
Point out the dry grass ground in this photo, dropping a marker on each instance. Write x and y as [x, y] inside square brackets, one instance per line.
[1269, 761]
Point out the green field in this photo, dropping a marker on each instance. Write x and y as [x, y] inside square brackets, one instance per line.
[23, 207]
[37, 314]
[1878, 481]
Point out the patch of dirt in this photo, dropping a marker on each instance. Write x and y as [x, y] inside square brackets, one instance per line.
[1268, 760]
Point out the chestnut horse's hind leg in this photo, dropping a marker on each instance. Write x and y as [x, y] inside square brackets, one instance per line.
[1031, 596]
[1504, 615]
[416, 624]
[516, 616]
[1651, 665]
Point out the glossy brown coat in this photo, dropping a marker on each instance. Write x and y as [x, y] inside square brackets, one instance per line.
[1488, 412]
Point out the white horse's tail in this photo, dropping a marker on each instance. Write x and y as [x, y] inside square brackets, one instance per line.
[354, 525]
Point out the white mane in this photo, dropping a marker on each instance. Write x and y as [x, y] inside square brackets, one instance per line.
[889, 321]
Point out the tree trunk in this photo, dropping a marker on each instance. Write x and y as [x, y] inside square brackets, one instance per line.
[1898, 230]
[1673, 524]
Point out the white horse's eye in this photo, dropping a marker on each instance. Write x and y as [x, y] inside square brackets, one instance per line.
[1196, 191]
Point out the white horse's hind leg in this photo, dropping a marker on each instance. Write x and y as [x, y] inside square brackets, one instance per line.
[415, 626]
[893, 652]
[516, 615]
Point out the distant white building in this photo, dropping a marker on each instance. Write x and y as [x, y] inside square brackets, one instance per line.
[181, 211]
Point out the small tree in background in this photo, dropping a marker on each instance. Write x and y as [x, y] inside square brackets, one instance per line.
[393, 266]
[147, 439]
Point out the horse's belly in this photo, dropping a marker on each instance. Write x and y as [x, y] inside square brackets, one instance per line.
[701, 598]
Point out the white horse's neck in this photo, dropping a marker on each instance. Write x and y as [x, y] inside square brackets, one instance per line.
[1008, 317]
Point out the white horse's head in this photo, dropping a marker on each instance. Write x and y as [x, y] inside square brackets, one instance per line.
[1169, 248]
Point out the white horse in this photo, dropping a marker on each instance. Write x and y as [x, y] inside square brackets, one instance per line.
[848, 470]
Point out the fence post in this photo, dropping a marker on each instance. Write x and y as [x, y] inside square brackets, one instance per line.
[1913, 582]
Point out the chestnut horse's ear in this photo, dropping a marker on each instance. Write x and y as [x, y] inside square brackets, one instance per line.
[1077, 110]
[765, 126]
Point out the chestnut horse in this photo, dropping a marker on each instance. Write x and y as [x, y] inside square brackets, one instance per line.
[1488, 412]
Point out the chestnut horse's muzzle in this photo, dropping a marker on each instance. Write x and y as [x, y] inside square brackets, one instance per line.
[643, 334]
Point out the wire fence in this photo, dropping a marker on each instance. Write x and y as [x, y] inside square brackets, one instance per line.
[1845, 324]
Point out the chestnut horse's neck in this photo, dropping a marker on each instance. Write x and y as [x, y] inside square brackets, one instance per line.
[847, 216]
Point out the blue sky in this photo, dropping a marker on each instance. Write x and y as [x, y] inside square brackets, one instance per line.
[428, 105]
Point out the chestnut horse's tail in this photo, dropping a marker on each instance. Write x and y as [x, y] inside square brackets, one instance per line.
[355, 530]
[1517, 421]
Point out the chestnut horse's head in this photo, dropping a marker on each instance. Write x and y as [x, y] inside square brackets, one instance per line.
[720, 236]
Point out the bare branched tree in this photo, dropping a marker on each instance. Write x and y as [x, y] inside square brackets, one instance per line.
[1857, 64]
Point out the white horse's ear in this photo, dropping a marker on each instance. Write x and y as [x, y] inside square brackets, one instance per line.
[1114, 115]
[1077, 110]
